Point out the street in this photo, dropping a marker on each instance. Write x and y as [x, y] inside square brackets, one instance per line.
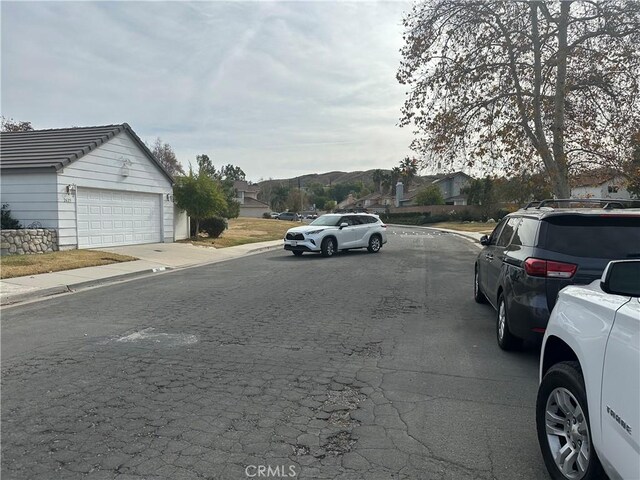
[359, 366]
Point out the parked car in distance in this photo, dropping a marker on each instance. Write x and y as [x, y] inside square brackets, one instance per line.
[274, 215]
[333, 232]
[588, 405]
[535, 252]
[289, 216]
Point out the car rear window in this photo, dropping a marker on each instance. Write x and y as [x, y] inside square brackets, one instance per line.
[614, 237]
[526, 233]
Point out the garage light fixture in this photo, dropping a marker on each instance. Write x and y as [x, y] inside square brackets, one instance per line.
[126, 163]
[169, 197]
[72, 188]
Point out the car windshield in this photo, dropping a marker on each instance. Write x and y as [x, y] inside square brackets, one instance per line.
[327, 221]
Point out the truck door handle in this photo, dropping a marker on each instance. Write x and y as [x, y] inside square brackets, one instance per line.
[488, 256]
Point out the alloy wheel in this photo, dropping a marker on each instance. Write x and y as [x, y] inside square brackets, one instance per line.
[502, 321]
[567, 434]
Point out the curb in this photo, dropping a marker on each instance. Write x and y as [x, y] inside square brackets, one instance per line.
[455, 232]
[22, 297]
[265, 249]
[73, 287]
[40, 294]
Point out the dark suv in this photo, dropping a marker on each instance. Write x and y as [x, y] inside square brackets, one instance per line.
[535, 252]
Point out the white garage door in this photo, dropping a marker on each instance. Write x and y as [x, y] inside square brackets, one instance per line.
[111, 217]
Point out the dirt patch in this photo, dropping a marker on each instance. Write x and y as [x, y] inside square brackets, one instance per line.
[248, 230]
[23, 265]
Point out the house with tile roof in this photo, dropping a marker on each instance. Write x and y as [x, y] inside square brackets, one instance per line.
[96, 186]
[247, 197]
[599, 184]
[451, 187]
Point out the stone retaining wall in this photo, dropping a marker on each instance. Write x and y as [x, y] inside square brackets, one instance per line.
[28, 241]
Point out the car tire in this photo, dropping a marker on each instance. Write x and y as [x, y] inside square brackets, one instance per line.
[375, 244]
[506, 340]
[478, 296]
[563, 434]
[328, 247]
[297, 253]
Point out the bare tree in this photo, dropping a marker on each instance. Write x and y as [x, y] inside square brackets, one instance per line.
[523, 86]
[11, 125]
[167, 157]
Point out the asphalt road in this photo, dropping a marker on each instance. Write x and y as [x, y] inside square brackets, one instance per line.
[359, 366]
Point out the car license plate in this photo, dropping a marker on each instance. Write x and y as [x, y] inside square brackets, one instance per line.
[293, 244]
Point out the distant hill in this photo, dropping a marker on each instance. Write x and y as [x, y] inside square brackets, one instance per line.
[333, 178]
[329, 178]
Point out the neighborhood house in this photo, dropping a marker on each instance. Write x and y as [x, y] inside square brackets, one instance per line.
[93, 186]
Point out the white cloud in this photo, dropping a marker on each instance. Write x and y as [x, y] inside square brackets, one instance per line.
[278, 88]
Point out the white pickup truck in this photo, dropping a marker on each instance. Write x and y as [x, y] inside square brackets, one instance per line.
[588, 406]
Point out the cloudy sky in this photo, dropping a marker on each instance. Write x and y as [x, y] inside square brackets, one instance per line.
[277, 88]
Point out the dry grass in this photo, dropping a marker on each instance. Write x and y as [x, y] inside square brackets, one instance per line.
[249, 230]
[22, 265]
[478, 227]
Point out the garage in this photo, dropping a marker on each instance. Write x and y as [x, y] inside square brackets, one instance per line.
[108, 218]
[95, 186]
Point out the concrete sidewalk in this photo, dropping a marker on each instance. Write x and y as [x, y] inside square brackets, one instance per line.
[152, 258]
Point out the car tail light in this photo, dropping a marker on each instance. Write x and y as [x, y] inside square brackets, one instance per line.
[537, 267]
[383, 226]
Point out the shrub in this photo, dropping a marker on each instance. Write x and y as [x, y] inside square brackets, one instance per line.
[214, 226]
[266, 215]
[7, 221]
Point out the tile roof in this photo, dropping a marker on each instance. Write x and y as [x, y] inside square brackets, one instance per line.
[453, 175]
[252, 202]
[244, 186]
[57, 148]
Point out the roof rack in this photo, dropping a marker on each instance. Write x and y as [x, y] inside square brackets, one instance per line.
[607, 203]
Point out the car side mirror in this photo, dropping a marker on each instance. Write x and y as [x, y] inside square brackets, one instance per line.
[484, 240]
[622, 277]
[343, 224]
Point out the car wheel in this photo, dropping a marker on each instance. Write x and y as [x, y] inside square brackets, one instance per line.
[562, 422]
[297, 253]
[506, 340]
[375, 244]
[478, 296]
[328, 247]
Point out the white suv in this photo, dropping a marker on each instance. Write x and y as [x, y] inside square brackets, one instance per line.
[587, 411]
[332, 232]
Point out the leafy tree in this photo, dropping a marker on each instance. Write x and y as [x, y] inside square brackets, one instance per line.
[549, 85]
[206, 167]
[11, 125]
[279, 197]
[387, 183]
[167, 157]
[200, 196]
[409, 170]
[480, 191]
[295, 200]
[523, 188]
[378, 177]
[429, 195]
[330, 205]
[231, 172]
[394, 176]
[7, 221]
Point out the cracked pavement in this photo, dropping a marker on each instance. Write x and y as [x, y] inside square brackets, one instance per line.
[354, 367]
